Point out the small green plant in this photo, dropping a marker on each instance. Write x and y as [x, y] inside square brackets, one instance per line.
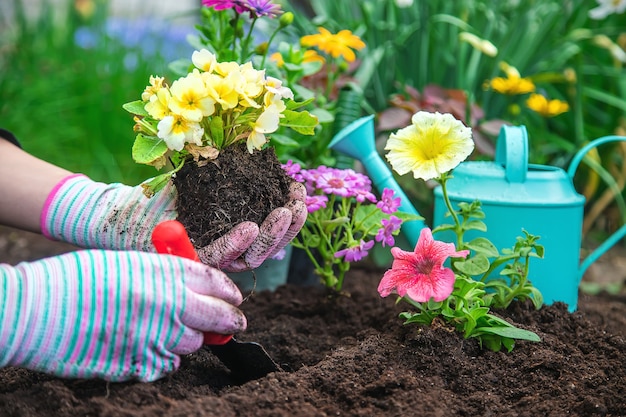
[463, 294]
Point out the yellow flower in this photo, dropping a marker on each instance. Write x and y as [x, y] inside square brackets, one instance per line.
[222, 90]
[278, 58]
[512, 85]
[190, 97]
[433, 144]
[158, 106]
[156, 83]
[335, 45]
[545, 107]
[310, 55]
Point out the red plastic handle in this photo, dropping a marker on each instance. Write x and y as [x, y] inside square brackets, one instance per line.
[171, 237]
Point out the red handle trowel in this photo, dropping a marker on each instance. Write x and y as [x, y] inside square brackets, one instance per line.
[246, 360]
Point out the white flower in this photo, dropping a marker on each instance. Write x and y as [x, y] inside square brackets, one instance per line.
[175, 130]
[607, 7]
[204, 60]
[266, 123]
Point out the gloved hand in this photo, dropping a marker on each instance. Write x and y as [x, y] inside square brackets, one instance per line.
[119, 217]
[112, 315]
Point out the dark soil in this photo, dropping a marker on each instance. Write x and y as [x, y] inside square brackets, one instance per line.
[351, 356]
[236, 186]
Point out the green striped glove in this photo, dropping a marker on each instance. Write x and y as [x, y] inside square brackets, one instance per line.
[111, 315]
[90, 214]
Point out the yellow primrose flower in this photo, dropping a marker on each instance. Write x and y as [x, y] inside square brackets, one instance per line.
[156, 83]
[545, 107]
[158, 106]
[204, 60]
[175, 131]
[267, 122]
[251, 85]
[222, 89]
[335, 45]
[190, 97]
[432, 145]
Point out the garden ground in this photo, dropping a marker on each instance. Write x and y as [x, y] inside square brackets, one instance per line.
[351, 356]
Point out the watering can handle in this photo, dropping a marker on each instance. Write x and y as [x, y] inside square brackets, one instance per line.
[512, 152]
[571, 171]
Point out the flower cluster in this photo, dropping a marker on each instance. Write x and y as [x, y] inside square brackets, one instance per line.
[515, 84]
[345, 219]
[432, 146]
[215, 105]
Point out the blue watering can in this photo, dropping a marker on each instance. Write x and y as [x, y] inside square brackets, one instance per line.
[515, 195]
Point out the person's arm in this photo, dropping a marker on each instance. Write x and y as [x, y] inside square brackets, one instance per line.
[25, 183]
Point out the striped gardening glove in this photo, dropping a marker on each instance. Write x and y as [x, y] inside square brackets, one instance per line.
[111, 315]
[119, 217]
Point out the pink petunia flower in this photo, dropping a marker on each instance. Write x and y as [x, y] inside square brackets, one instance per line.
[421, 274]
[387, 203]
[355, 253]
[385, 233]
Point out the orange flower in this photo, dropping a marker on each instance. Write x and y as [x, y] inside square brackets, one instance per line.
[545, 107]
[335, 45]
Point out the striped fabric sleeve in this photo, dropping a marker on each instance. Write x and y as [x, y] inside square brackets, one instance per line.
[91, 214]
[65, 316]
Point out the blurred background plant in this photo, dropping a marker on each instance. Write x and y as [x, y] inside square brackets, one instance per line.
[556, 66]
[65, 69]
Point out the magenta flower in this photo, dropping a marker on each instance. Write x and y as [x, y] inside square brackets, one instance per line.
[355, 253]
[293, 170]
[259, 8]
[240, 6]
[385, 233]
[335, 182]
[421, 274]
[315, 202]
[387, 203]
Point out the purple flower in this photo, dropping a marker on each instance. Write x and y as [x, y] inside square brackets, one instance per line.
[315, 202]
[258, 8]
[355, 253]
[387, 203]
[385, 233]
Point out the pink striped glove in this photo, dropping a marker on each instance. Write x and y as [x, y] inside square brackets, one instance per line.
[119, 217]
[111, 315]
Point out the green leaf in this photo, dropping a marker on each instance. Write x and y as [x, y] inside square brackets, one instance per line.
[136, 107]
[148, 149]
[302, 122]
[511, 332]
[156, 184]
[285, 140]
[475, 225]
[407, 217]
[484, 246]
[475, 265]
[323, 116]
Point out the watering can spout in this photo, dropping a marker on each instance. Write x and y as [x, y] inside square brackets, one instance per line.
[357, 141]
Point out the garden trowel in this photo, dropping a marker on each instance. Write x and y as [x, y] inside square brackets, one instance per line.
[247, 361]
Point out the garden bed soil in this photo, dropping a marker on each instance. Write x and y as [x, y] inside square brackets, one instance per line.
[351, 356]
